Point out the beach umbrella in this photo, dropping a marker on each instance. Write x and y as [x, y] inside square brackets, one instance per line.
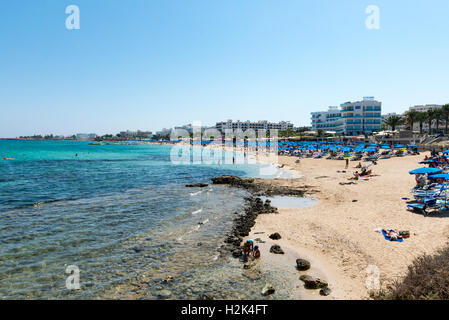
[425, 170]
[440, 176]
[412, 146]
[447, 151]
[385, 147]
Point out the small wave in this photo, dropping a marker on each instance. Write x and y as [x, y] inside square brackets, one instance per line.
[196, 193]
[197, 211]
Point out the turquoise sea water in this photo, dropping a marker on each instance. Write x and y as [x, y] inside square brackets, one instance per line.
[122, 215]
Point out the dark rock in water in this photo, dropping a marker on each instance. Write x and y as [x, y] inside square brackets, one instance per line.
[247, 266]
[196, 185]
[136, 249]
[313, 283]
[302, 265]
[199, 244]
[164, 294]
[231, 180]
[276, 249]
[267, 290]
[168, 279]
[325, 291]
[275, 236]
[236, 253]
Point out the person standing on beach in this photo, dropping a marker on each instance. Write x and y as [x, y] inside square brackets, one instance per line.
[347, 163]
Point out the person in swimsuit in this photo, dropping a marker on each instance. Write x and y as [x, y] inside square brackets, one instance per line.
[256, 253]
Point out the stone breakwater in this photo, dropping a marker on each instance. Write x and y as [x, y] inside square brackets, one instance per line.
[267, 187]
[243, 222]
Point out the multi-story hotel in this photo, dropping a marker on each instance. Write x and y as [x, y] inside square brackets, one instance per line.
[329, 120]
[425, 108]
[352, 118]
[259, 125]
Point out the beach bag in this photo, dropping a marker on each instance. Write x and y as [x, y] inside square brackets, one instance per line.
[405, 234]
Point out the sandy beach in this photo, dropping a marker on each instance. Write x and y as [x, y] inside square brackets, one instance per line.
[337, 234]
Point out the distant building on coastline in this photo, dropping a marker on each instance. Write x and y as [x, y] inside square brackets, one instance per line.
[189, 128]
[163, 132]
[255, 125]
[351, 118]
[424, 108]
[85, 136]
[390, 114]
[135, 134]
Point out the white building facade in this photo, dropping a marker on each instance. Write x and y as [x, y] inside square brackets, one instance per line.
[329, 120]
[257, 125]
[352, 118]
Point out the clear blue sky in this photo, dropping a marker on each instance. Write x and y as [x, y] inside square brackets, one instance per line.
[148, 64]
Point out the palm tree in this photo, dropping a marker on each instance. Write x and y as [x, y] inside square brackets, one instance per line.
[422, 116]
[445, 113]
[393, 121]
[430, 116]
[438, 115]
[411, 117]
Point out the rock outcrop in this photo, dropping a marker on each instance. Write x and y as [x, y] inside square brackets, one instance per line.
[302, 264]
[312, 282]
[276, 249]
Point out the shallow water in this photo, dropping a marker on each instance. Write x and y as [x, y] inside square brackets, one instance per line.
[123, 216]
[284, 202]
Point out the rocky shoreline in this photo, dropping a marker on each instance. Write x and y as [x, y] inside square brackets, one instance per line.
[244, 222]
[267, 187]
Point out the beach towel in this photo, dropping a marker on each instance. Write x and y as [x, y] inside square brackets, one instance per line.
[386, 238]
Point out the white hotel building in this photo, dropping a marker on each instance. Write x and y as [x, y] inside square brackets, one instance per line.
[259, 125]
[352, 118]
